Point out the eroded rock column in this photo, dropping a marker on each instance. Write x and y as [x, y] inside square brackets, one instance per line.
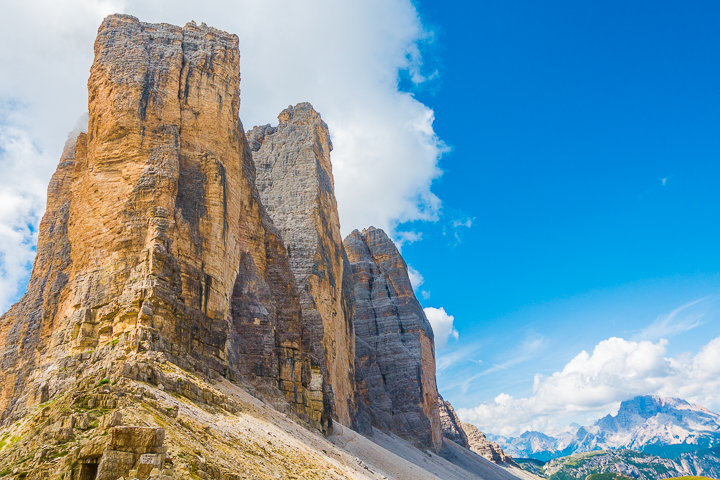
[395, 370]
[295, 182]
[155, 232]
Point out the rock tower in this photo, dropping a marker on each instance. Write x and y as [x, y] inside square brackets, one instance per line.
[395, 349]
[295, 182]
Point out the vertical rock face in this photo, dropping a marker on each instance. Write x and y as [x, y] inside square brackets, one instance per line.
[154, 230]
[450, 422]
[484, 447]
[295, 182]
[395, 366]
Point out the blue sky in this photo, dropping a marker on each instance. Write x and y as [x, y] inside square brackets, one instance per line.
[573, 232]
[585, 144]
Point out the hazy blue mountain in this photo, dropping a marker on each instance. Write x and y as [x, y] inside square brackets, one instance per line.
[664, 427]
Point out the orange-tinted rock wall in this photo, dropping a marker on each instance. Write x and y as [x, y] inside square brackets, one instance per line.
[154, 228]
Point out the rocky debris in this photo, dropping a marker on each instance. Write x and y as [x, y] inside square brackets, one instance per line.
[395, 353]
[450, 422]
[295, 182]
[153, 420]
[479, 444]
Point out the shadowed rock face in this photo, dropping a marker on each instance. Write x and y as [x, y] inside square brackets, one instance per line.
[450, 422]
[154, 230]
[395, 354]
[295, 182]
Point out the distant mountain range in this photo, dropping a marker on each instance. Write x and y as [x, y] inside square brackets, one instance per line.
[626, 465]
[665, 427]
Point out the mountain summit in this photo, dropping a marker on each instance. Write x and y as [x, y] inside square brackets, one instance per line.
[660, 426]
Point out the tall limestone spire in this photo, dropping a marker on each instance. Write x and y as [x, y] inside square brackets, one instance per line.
[394, 343]
[294, 178]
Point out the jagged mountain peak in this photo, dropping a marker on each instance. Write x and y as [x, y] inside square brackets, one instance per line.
[660, 425]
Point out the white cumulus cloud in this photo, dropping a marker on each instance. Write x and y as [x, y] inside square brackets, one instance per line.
[442, 325]
[595, 383]
[343, 57]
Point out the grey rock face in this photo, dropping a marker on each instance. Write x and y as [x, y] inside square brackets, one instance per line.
[395, 365]
[450, 422]
[295, 182]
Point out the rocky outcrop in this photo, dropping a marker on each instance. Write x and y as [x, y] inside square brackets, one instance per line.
[450, 423]
[395, 366]
[479, 444]
[295, 182]
[155, 230]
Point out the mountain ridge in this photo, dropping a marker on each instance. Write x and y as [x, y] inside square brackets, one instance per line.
[661, 426]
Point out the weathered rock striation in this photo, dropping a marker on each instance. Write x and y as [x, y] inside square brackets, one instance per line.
[450, 422]
[295, 182]
[479, 444]
[154, 229]
[395, 366]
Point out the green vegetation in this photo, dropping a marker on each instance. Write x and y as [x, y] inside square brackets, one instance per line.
[6, 471]
[114, 342]
[58, 454]
[607, 476]
[578, 458]
[690, 478]
[104, 381]
[22, 475]
[598, 465]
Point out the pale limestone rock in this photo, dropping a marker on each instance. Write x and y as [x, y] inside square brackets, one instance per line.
[295, 182]
[484, 447]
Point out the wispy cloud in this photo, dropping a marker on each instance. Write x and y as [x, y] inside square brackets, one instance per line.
[680, 320]
[453, 227]
[467, 222]
[416, 279]
[454, 357]
[520, 353]
[525, 351]
[406, 238]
